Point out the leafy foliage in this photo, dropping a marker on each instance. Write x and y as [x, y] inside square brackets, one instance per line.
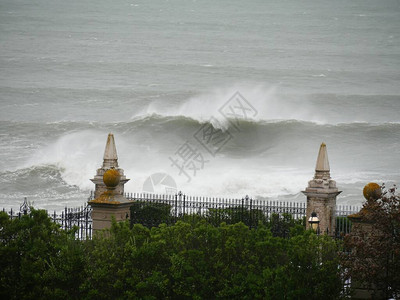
[150, 214]
[37, 259]
[201, 261]
[188, 260]
[233, 215]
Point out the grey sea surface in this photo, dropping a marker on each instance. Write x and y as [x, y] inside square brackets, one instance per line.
[155, 72]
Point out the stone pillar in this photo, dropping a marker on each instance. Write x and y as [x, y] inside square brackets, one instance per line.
[102, 214]
[110, 161]
[367, 236]
[321, 195]
[110, 203]
[363, 229]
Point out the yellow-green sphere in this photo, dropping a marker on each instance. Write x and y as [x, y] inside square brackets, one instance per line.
[111, 178]
[372, 191]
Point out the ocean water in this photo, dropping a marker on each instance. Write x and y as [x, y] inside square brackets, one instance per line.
[158, 73]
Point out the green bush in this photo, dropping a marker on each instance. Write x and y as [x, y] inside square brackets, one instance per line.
[150, 214]
[200, 261]
[37, 259]
[232, 215]
[188, 260]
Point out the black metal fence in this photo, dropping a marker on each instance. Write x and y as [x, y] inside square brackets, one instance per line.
[175, 207]
[343, 224]
[81, 217]
[151, 210]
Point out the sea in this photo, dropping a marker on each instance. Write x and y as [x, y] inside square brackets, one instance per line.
[211, 98]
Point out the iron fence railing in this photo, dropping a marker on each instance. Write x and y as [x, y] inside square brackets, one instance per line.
[182, 204]
[79, 217]
[343, 224]
[152, 209]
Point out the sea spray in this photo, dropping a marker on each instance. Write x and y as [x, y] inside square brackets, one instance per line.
[266, 101]
[267, 159]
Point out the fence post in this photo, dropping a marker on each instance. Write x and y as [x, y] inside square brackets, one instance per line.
[242, 209]
[184, 205]
[176, 206]
[25, 207]
[251, 213]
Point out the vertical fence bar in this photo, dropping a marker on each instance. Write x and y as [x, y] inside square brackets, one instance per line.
[184, 205]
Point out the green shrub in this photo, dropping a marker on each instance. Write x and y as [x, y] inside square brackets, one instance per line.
[37, 259]
[187, 260]
[150, 214]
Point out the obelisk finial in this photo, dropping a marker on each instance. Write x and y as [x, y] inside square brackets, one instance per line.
[322, 169]
[110, 159]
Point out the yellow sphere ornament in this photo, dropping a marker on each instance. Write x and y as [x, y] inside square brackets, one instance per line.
[111, 178]
[372, 191]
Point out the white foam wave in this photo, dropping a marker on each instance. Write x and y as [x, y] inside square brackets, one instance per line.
[79, 154]
[267, 103]
[76, 155]
[271, 103]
